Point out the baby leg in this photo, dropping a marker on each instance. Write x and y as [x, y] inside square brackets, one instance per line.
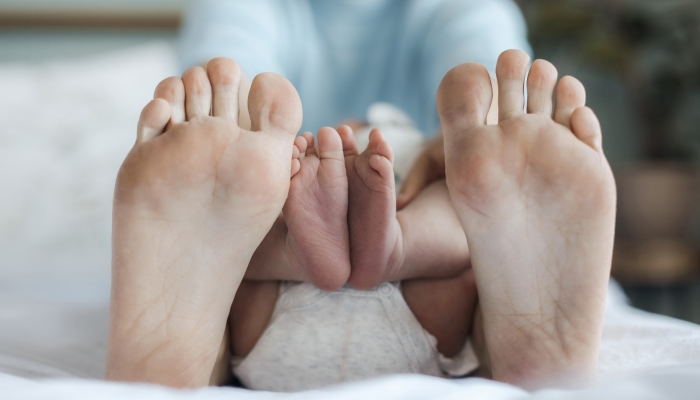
[423, 245]
[444, 307]
[251, 311]
[310, 242]
[440, 289]
[423, 240]
[433, 244]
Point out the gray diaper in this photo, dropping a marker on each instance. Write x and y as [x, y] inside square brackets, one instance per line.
[318, 338]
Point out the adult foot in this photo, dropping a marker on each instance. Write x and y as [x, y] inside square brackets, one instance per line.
[536, 198]
[375, 233]
[193, 200]
[316, 211]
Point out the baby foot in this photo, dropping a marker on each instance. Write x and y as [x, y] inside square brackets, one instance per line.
[536, 198]
[316, 211]
[375, 233]
[193, 200]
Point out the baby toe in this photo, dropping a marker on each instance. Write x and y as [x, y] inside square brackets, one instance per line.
[347, 137]
[310, 143]
[330, 145]
[383, 166]
[385, 150]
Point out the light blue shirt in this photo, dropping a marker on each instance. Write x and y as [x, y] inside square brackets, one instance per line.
[343, 55]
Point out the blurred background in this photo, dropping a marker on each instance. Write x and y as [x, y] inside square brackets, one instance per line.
[74, 75]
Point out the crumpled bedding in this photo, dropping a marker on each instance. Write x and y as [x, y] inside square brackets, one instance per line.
[645, 353]
[66, 127]
[634, 340]
[677, 383]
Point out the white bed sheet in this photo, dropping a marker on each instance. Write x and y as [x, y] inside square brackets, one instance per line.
[66, 126]
[678, 382]
[642, 354]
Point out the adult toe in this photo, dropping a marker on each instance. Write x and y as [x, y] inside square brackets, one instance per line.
[154, 118]
[510, 72]
[197, 93]
[570, 95]
[586, 127]
[540, 88]
[172, 90]
[225, 77]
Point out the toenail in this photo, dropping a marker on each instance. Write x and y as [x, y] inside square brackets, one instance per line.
[385, 289]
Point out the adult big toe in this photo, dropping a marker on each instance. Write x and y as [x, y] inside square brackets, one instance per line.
[464, 98]
[274, 105]
[463, 103]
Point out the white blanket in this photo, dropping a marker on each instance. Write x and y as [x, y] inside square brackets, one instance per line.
[643, 356]
[65, 128]
[676, 383]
